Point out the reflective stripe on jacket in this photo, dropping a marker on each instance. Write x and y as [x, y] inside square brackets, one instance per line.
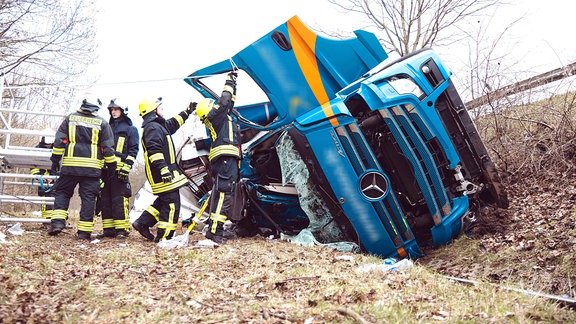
[224, 131]
[84, 142]
[159, 151]
[126, 138]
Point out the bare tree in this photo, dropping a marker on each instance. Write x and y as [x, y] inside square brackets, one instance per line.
[45, 46]
[409, 25]
[45, 41]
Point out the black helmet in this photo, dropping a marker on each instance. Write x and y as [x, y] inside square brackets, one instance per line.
[115, 103]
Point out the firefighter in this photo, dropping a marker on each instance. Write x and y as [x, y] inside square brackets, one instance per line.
[83, 145]
[117, 189]
[224, 156]
[45, 186]
[162, 172]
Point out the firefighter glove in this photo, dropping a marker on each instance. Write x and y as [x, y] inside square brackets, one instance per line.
[124, 171]
[232, 75]
[167, 176]
[191, 108]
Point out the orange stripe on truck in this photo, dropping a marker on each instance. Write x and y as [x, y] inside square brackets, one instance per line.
[303, 43]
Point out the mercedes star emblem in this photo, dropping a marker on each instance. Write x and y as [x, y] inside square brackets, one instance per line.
[373, 185]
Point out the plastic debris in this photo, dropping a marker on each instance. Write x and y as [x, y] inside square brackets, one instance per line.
[345, 258]
[3, 239]
[206, 243]
[389, 264]
[16, 229]
[175, 242]
[306, 238]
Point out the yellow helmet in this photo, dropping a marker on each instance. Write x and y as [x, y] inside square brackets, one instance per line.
[148, 105]
[204, 106]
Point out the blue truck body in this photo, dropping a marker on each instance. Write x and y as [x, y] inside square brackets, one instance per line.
[389, 151]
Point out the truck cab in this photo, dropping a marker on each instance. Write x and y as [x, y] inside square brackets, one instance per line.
[352, 146]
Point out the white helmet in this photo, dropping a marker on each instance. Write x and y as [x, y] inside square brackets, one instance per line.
[90, 102]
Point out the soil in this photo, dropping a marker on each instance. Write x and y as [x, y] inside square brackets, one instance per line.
[532, 243]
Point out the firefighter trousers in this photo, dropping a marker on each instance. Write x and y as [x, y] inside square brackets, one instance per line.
[88, 190]
[225, 176]
[164, 211]
[114, 205]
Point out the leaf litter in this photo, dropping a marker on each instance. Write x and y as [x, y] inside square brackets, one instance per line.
[531, 246]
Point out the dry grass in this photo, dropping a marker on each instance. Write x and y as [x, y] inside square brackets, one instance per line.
[530, 246]
[249, 280]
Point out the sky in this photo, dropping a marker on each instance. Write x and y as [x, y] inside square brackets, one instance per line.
[146, 48]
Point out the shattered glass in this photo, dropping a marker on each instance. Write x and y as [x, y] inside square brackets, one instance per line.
[322, 229]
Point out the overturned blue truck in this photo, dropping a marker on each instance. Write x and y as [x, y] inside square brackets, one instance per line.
[350, 145]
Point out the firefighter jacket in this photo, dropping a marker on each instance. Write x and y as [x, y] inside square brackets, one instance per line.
[84, 142]
[224, 130]
[126, 138]
[159, 151]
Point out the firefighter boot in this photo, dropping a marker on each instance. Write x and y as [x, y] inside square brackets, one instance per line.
[216, 233]
[230, 230]
[122, 233]
[162, 235]
[56, 226]
[144, 230]
[83, 235]
[108, 232]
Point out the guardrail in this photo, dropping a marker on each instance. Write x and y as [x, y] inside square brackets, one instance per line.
[527, 84]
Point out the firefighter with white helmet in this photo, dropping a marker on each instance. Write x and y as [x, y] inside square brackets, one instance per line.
[162, 170]
[83, 145]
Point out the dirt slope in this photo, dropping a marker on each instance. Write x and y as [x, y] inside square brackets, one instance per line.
[531, 245]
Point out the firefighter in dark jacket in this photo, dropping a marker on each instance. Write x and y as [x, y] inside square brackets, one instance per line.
[114, 196]
[83, 144]
[44, 185]
[162, 171]
[224, 156]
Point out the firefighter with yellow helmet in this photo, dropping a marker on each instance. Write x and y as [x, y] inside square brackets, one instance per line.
[224, 156]
[161, 168]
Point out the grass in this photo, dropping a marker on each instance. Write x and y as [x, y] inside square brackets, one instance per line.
[253, 280]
